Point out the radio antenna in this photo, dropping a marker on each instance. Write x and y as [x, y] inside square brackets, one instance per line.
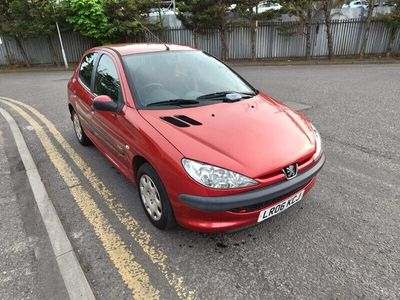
[152, 34]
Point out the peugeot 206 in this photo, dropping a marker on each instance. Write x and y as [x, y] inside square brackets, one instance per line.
[205, 149]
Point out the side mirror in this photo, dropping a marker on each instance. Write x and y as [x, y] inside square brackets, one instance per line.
[104, 103]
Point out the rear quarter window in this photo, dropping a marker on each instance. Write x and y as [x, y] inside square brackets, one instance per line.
[86, 68]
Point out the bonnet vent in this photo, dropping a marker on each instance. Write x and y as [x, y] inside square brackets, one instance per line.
[181, 121]
[175, 122]
[188, 120]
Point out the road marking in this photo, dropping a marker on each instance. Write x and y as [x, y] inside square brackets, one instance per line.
[157, 256]
[73, 276]
[132, 273]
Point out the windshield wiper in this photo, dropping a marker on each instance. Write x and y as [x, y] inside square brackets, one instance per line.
[222, 95]
[174, 102]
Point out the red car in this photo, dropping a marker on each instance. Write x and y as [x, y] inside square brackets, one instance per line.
[206, 150]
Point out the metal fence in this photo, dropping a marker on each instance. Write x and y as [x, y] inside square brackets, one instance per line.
[38, 49]
[270, 41]
[273, 42]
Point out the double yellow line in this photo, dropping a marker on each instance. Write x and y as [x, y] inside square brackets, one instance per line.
[131, 272]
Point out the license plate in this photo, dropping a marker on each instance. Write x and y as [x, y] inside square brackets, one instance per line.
[280, 207]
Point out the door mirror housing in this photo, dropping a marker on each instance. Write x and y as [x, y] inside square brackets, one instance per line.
[105, 103]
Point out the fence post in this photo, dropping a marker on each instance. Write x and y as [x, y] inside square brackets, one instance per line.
[62, 47]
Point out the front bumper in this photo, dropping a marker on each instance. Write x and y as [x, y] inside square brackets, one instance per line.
[254, 197]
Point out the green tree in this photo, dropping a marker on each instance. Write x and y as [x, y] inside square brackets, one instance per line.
[304, 10]
[109, 21]
[21, 19]
[16, 21]
[199, 14]
[392, 21]
[367, 28]
[127, 18]
[326, 8]
[46, 13]
[244, 9]
[88, 18]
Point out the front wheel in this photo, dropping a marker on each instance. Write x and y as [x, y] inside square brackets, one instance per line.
[154, 198]
[80, 134]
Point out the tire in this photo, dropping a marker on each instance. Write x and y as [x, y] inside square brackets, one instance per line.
[79, 132]
[154, 198]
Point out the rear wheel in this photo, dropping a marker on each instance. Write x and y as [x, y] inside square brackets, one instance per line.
[80, 134]
[154, 198]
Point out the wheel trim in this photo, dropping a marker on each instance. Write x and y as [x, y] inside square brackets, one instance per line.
[77, 127]
[150, 197]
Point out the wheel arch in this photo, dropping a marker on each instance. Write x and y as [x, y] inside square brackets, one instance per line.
[137, 162]
[71, 109]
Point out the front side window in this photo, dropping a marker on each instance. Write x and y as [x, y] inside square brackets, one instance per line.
[107, 81]
[171, 75]
[86, 68]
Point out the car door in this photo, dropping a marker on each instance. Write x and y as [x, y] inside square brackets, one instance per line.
[82, 89]
[108, 125]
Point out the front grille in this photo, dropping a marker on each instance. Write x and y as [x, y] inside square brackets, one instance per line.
[302, 165]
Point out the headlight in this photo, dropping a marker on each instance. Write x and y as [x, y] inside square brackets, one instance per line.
[215, 177]
[318, 143]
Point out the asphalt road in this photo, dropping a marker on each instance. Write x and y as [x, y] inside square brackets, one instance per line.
[341, 242]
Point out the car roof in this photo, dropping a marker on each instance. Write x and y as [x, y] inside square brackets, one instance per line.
[127, 49]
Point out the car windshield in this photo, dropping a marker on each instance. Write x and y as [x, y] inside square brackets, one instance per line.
[173, 77]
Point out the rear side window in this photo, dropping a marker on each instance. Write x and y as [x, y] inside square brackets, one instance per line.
[107, 81]
[86, 68]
